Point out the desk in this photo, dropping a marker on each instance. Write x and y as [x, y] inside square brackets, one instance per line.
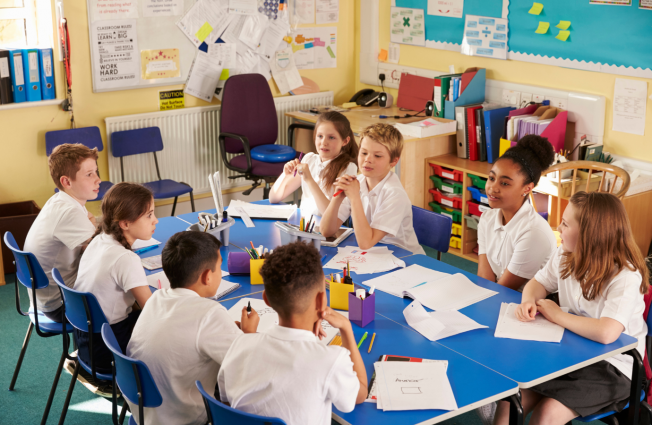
[410, 168]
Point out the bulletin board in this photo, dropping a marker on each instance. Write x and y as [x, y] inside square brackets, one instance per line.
[604, 38]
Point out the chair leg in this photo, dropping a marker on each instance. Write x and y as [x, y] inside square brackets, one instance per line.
[22, 354]
[123, 412]
[62, 419]
[174, 206]
[46, 412]
[439, 255]
[192, 202]
[266, 190]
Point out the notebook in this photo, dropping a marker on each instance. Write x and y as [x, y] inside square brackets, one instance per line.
[225, 288]
[152, 263]
[341, 234]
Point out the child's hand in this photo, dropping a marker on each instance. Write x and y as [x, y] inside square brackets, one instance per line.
[526, 311]
[335, 319]
[249, 322]
[304, 170]
[349, 184]
[318, 330]
[91, 217]
[549, 309]
[290, 167]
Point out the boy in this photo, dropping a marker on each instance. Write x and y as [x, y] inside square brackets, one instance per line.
[285, 372]
[64, 225]
[380, 207]
[181, 335]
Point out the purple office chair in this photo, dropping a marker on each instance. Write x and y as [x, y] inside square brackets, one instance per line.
[249, 129]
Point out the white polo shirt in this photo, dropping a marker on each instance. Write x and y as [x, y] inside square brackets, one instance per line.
[56, 239]
[182, 338]
[109, 271]
[522, 246]
[621, 300]
[317, 166]
[387, 208]
[285, 373]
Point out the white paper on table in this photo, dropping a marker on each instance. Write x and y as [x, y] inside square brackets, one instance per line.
[372, 397]
[630, 103]
[455, 323]
[156, 8]
[453, 292]
[272, 38]
[212, 12]
[303, 12]
[448, 8]
[327, 11]
[419, 319]
[396, 283]
[395, 53]
[279, 212]
[224, 54]
[139, 243]
[243, 7]
[239, 212]
[485, 36]
[413, 386]
[253, 29]
[154, 278]
[407, 26]
[203, 77]
[284, 71]
[540, 329]
[365, 261]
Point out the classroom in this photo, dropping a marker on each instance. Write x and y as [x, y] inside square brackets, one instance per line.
[325, 211]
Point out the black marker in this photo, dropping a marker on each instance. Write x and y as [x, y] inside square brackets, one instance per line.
[248, 308]
[225, 216]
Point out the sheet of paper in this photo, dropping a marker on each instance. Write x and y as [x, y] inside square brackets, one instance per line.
[373, 391]
[116, 53]
[365, 261]
[203, 77]
[139, 243]
[407, 26]
[160, 63]
[154, 279]
[272, 38]
[243, 7]
[202, 15]
[327, 11]
[239, 212]
[285, 72]
[223, 54]
[413, 386]
[395, 53]
[542, 28]
[303, 57]
[612, 2]
[563, 35]
[563, 25]
[484, 36]
[262, 67]
[102, 10]
[630, 106]
[536, 9]
[397, 282]
[540, 329]
[419, 319]
[455, 323]
[645, 4]
[279, 212]
[253, 29]
[152, 263]
[448, 8]
[158, 8]
[325, 47]
[453, 292]
[303, 12]
[232, 34]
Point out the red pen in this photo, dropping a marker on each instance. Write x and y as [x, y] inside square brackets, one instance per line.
[336, 194]
[159, 284]
[295, 170]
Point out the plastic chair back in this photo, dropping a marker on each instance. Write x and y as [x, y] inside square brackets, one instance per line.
[125, 374]
[27, 266]
[87, 136]
[248, 110]
[220, 413]
[134, 142]
[433, 229]
[76, 304]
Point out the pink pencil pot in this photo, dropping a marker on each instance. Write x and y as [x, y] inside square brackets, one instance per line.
[361, 312]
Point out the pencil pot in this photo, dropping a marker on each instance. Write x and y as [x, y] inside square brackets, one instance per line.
[254, 271]
[361, 312]
[221, 231]
[340, 295]
[238, 263]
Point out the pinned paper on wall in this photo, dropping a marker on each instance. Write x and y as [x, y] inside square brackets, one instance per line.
[115, 50]
[542, 28]
[328, 11]
[536, 9]
[203, 32]
[284, 71]
[382, 56]
[645, 4]
[163, 63]
[303, 12]
[156, 9]
[407, 26]
[563, 35]
[394, 53]
[200, 17]
[102, 10]
[485, 36]
[243, 7]
[203, 77]
[224, 53]
[629, 106]
[563, 25]
[612, 2]
[315, 48]
[448, 8]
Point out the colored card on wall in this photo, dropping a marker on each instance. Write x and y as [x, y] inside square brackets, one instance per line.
[563, 35]
[563, 25]
[542, 28]
[407, 26]
[160, 63]
[536, 9]
[485, 36]
[448, 8]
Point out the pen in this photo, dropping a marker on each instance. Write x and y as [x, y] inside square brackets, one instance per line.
[248, 308]
[159, 284]
[295, 170]
[147, 248]
[371, 344]
[362, 339]
[348, 269]
[336, 194]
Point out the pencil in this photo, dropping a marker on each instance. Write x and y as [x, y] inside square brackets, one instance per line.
[295, 170]
[371, 344]
[348, 268]
[362, 339]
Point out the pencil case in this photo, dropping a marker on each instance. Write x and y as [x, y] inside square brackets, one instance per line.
[340, 295]
[478, 194]
[237, 263]
[290, 234]
[221, 232]
[476, 208]
[455, 215]
[446, 200]
[447, 173]
[478, 181]
[254, 271]
[446, 185]
[362, 312]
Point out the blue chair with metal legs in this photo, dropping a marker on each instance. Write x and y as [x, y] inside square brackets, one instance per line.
[134, 379]
[30, 274]
[219, 413]
[83, 311]
[433, 229]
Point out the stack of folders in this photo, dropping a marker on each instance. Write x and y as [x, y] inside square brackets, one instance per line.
[26, 75]
[479, 129]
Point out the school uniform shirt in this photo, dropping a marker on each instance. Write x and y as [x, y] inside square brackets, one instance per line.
[56, 239]
[109, 271]
[522, 246]
[387, 208]
[181, 337]
[285, 373]
[317, 167]
[621, 300]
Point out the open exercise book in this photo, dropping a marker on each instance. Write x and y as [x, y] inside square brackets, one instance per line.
[377, 259]
[540, 329]
[341, 234]
[437, 325]
[436, 290]
[278, 212]
[225, 288]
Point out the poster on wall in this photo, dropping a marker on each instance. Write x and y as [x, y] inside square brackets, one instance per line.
[448, 8]
[102, 10]
[158, 8]
[612, 2]
[115, 50]
[159, 63]
[407, 26]
[485, 36]
[645, 4]
[315, 47]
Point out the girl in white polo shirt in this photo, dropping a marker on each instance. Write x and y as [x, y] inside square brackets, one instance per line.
[337, 153]
[111, 271]
[601, 277]
[514, 241]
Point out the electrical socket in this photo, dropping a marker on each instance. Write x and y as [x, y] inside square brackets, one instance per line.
[526, 98]
[538, 98]
[558, 102]
[511, 97]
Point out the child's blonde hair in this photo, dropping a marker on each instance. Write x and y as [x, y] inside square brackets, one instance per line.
[66, 159]
[387, 135]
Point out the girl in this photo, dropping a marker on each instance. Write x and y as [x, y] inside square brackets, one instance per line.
[601, 277]
[111, 271]
[336, 155]
[514, 240]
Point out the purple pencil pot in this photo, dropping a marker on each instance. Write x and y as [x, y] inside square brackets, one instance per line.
[362, 312]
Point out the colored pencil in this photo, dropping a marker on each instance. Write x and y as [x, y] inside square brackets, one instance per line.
[295, 170]
[371, 344]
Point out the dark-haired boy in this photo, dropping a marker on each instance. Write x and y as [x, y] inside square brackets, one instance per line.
[181, 335]
[284, 372]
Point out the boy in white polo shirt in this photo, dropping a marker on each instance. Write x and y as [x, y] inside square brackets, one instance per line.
[181, 335]
[285, 372]
[64, 225]
[380, 207]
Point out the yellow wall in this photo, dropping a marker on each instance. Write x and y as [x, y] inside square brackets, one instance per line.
[625, 144]
[23, 164]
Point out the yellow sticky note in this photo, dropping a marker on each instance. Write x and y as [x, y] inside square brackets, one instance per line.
[382, 56]
[204, 31]
[563, 25]
[296, 47]
[563, 35]
[536, 9]
[224, 75]
[543, 28]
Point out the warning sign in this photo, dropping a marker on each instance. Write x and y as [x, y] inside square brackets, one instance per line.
[171, 99]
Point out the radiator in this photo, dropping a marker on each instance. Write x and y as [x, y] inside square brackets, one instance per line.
[191, 149]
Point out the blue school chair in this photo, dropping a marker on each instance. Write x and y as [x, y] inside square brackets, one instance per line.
[83, 311]
[219, 413]
[134, 379]
[433, 230]
[87, 136]
[30, 274]
[149, 140]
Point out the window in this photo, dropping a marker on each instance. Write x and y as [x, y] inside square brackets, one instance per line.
[25, 23]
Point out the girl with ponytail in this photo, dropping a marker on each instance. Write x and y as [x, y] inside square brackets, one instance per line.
[337, 154]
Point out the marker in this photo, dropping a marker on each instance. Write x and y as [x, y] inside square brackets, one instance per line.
[147, 248]
[371, 344]
[248, 308]
[336, 194]
[295, 170]
[225, 216]
[362, 339]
